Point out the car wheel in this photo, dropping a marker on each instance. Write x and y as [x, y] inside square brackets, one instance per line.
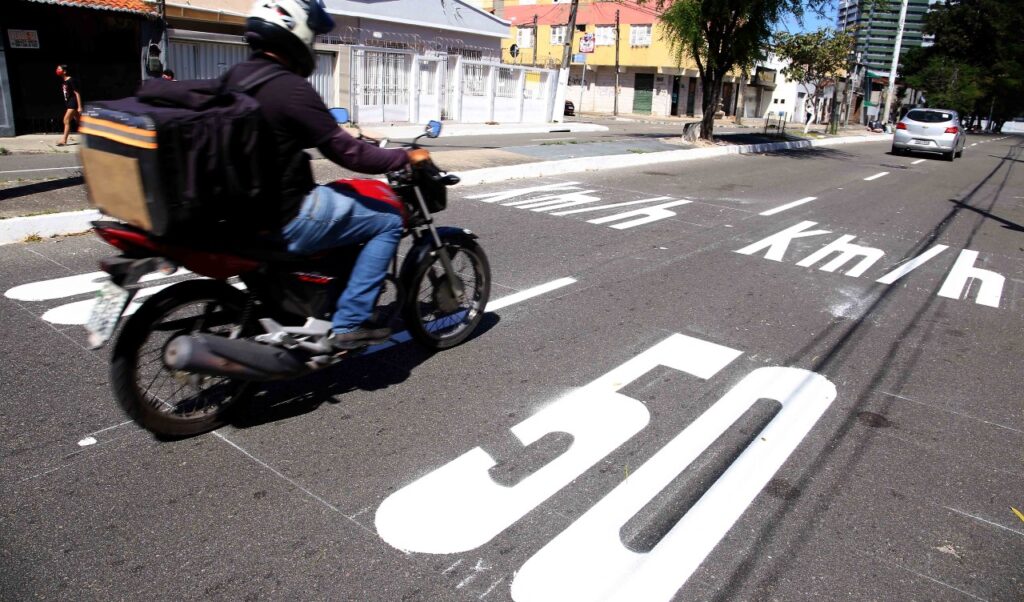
[948, 156]
[896, 151]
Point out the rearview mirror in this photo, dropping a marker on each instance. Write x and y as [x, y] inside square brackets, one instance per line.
[340, 115]
[433, 129]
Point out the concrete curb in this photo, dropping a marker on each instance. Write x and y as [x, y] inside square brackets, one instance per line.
[456, 130]
[584, 164]
[16, 229]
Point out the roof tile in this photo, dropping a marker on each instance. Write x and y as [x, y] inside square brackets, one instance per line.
[131, 6]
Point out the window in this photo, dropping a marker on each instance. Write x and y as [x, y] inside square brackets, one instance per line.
[508, 80]
[524, 37]
[558, 35]
[605, 35]
[474, 80]
[639, 35]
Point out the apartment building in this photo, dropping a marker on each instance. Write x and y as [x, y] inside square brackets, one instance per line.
[875, 29]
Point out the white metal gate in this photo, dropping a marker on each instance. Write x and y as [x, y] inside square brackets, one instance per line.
[382, 86]
[203, 59]
[428, 90]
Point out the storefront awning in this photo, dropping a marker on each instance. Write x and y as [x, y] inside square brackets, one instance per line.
[126, 6]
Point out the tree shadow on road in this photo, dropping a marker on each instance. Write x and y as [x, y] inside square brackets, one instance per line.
[39, 187]
[847, 335]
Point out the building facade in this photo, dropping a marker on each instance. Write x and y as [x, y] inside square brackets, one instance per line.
[101, 41]
[621, 61]
[394, 61]
[875, 27]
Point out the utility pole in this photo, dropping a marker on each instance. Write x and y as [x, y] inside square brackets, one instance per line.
[536, 40]
[615, 108]
[895, 62]
[567, 51]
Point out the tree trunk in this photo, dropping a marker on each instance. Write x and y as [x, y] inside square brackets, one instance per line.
[741, 91]
[709, 103]
[833, 119]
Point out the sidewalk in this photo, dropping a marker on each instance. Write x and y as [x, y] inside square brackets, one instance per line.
[47, 143]
[474, 165]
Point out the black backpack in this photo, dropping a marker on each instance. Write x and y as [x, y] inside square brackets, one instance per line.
[183, 159]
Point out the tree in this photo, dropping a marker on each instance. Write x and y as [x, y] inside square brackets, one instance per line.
[814, 60]
[976, 64]
[721, 35]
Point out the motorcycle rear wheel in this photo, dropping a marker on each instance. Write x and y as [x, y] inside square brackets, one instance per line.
[433, 315]
[173, 403]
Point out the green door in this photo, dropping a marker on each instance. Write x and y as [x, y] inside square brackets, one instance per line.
[643, 92]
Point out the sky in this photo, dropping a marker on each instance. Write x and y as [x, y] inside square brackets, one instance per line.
[812, 22]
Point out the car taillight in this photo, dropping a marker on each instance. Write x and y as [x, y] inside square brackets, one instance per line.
[952, 130]
[901, 126]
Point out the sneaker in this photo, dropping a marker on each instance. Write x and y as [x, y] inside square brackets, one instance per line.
[360, 337]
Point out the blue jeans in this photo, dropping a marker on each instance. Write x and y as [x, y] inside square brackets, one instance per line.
[331, 218]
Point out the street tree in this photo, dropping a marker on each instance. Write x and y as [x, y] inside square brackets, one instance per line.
[815, 60]
[976, 63]
[720, 36]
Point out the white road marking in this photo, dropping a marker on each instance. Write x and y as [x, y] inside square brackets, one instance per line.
[876, 176]
[459, 507]
[41, 169]
[782, 208]
[986, 521]
[918, 161]
[974, 144]
[87, 441]
[529, 293]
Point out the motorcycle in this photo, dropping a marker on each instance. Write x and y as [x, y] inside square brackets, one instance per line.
[191, 351]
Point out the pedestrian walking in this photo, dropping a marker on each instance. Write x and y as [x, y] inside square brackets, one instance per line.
[72, 101]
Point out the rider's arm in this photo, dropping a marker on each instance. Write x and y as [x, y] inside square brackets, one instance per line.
[360, 156]
[308, 119]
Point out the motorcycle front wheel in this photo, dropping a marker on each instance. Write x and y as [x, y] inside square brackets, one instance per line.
[435, 315]
[173, 403]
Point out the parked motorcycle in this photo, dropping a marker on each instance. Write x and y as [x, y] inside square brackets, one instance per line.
[189, 353]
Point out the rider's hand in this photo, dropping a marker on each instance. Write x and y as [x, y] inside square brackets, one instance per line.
[418, 155]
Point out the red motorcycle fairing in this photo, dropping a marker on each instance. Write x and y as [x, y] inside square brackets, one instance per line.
[377, 190]
[218, 266]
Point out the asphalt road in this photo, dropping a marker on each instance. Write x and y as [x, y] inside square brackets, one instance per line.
[586, 444]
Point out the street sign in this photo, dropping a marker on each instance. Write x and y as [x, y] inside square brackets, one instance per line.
[587, 43]
[23, 38]
[579, 58]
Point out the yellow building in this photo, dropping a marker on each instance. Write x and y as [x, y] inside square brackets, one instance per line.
[651, 79]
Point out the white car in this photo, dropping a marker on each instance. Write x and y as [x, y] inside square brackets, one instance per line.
[930, 130]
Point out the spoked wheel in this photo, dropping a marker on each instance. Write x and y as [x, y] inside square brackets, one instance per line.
[173, 403]
[436, 315]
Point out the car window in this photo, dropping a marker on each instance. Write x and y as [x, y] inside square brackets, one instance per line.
[929, 116]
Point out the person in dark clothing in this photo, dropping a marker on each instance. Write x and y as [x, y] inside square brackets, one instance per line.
[313, 218]
[72, 101]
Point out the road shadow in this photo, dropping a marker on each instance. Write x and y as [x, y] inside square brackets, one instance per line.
[282, 400]
[39, 187]
[763, 575]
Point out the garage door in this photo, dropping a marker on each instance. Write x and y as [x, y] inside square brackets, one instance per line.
[200, 59]
[643, 92]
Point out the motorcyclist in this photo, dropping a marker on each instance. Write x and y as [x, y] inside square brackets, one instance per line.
[312, 217]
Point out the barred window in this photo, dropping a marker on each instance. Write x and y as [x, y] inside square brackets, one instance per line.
[558, 35]
[474, 80]
[639, 35]
[508, 79]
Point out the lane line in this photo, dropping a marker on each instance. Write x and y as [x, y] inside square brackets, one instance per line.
[918, 161]
[404, 336]
[876, 176]
[41, 169]
[983, 520]
[974, 144]
[782, 208]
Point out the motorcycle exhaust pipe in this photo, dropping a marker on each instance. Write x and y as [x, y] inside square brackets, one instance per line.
[233, 358]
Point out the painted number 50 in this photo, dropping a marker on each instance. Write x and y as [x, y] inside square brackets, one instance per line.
[459, 507]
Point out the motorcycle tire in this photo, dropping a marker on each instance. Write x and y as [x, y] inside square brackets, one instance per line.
[184, 404]
[433, 315]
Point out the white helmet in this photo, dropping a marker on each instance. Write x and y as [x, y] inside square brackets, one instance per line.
[288, 28]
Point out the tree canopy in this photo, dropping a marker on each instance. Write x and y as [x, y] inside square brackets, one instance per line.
[976, 64]
[814, 59]
[721, 35]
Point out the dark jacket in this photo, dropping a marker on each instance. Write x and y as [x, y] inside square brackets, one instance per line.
[300, 120]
